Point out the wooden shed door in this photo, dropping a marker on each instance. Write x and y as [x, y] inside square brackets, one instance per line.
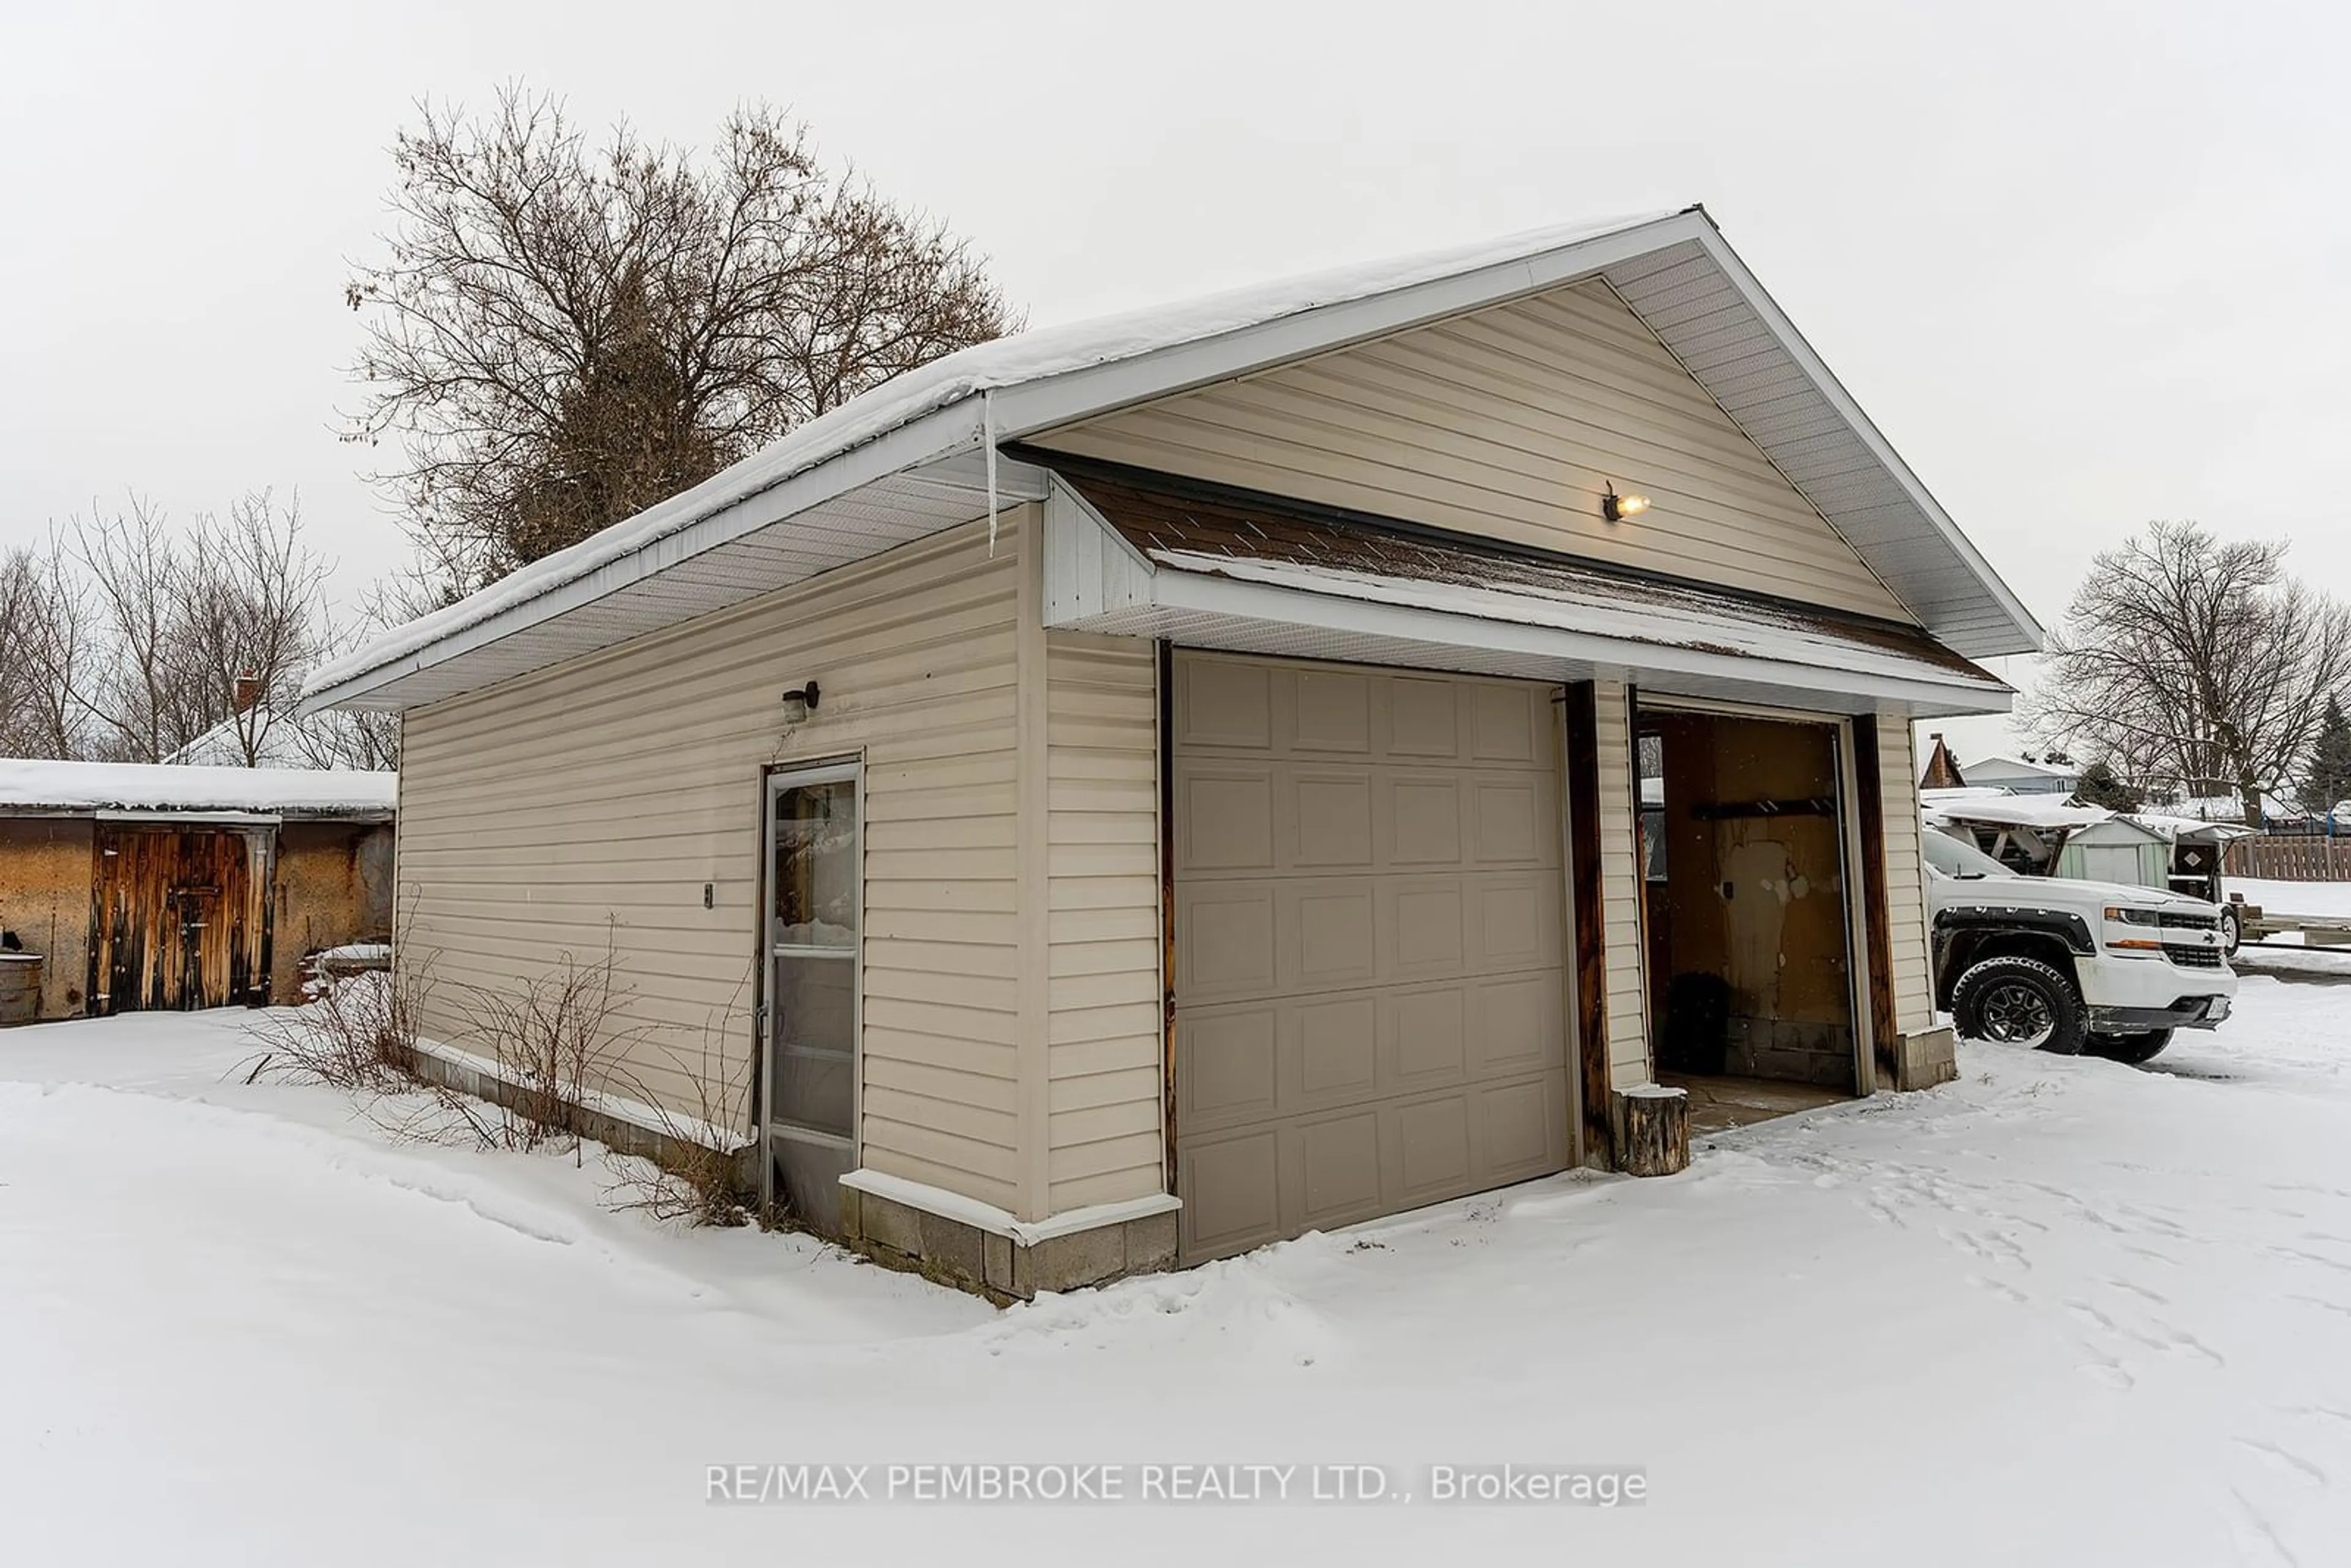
[181, 918]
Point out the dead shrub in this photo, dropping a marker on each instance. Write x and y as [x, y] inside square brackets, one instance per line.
[358, 1035]
[551, 1038]
[547, 1045]
[686, 1179]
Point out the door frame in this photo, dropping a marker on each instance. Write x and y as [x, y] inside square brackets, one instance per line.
[1851, 862]
[1581, 1133]
[774, 781]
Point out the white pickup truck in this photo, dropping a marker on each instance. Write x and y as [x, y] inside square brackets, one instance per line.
[2070, 965]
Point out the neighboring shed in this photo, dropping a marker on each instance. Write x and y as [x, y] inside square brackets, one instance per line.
[143, 886]
[2118, 850]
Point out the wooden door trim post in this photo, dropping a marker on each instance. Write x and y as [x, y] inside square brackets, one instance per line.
[1581, 716]
[1869, 812]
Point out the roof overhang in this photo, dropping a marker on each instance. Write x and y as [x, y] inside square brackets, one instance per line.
[1261, 575]
[198, 816]
[195, 794]
[905, 460]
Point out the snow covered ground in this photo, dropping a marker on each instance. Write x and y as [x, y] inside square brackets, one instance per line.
[2061, 1312]
[2326, 900]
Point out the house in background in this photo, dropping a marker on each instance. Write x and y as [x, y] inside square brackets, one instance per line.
[1134, 792]
[1942, 768]
[130, 886]
[2018, 777]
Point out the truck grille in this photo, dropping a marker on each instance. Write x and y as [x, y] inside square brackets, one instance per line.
[2178, 921]
[2193, 958]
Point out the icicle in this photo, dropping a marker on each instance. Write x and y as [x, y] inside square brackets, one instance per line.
[987, 437]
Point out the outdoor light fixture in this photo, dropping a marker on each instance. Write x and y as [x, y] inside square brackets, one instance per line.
[1616, 507]
[798, 702]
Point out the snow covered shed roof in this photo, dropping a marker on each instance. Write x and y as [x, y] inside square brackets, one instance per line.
[1996, 808]
[43, 789]
[2017, 767]
[905, 459]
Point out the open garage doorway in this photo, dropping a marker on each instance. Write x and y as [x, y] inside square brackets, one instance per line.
[1747, 915]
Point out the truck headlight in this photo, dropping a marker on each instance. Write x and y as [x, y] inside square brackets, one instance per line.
[2129, 938]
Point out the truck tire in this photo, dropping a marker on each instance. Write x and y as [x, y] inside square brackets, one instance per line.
[2145, 1045]
[2019, 1001]
[2233, 930]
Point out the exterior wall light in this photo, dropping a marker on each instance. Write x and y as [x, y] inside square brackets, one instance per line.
[798, 702]
[1616, 507]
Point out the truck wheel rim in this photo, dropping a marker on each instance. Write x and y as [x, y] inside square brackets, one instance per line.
[2018, 1014]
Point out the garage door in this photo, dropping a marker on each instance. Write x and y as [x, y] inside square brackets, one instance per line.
[1370, 970]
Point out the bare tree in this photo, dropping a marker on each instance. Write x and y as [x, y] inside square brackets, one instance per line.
[56, 648]
[19, 589]
[337, 738]
[2189, 660]
[155, 639]
[252, 613]
[563, 334]
[135, 697]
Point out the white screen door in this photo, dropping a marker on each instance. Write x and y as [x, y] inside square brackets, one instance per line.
[815, 893]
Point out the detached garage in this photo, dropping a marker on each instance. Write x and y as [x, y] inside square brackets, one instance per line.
[1123, 795]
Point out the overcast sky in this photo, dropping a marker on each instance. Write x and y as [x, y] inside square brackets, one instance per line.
[2083, 264]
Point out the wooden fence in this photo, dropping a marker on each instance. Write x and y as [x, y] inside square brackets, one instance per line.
[2290, 859]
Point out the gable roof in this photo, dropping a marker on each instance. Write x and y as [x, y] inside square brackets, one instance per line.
[1942, 769]
[910, 457]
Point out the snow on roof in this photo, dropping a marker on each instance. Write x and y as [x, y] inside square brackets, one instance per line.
[2231, 807]
[223, 747]
[87, 787]
[1995, 808]
[2176, 828]
[1026, 357]
[1995, 767]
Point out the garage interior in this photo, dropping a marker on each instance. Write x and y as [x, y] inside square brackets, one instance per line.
[1745, 915]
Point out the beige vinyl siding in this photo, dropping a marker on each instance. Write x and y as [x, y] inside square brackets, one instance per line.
[1507, 424]
[614, 786]
[1105, 991]
[1906, 873]
[1622, 949]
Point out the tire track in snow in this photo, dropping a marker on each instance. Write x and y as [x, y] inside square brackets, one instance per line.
[2287, 1460]
[2263, 1532]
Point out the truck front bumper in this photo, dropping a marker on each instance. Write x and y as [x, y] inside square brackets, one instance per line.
[2126, 995]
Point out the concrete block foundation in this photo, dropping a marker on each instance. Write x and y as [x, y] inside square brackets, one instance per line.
[1001, 1267]
[1925, 1057]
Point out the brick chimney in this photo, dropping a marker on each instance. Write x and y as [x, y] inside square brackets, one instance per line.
[248, 692]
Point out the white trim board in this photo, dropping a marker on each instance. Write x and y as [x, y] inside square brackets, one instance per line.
[620, 1107]
[996, 1221]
